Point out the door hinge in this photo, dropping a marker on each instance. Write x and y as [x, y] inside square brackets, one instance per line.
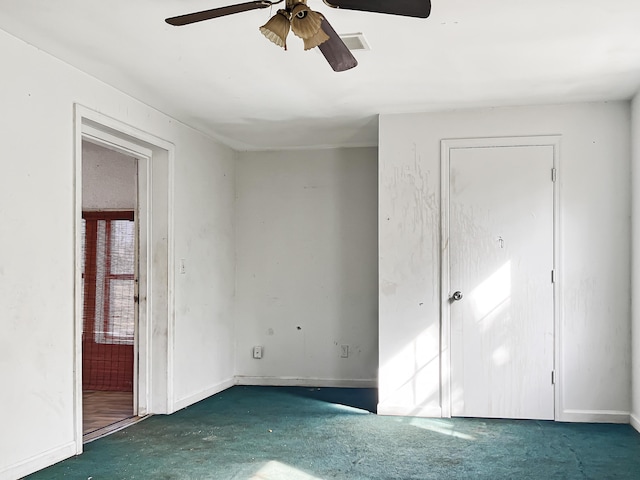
[553, 276]
[554, 174]
[553, 377]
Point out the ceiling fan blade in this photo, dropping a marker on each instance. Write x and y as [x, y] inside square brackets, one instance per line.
[335, 51]
[217, 12]
[408, 8]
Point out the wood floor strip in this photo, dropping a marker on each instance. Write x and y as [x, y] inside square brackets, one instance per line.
[109, 429]
[105, 413]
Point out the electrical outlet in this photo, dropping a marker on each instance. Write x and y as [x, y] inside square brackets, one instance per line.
[344, 351]
[257, 351]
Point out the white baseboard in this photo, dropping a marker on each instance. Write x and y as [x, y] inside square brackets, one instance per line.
[594, 416]
[38, 462]
[635, 422]
[304, 382]
[206, 393]
[427, 411]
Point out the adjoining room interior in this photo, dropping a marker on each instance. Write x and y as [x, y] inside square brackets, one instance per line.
[302, 230]
[109, 332]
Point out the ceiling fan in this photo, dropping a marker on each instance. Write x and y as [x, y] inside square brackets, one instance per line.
[311, 26]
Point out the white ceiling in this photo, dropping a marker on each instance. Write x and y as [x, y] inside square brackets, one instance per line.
[224, 78]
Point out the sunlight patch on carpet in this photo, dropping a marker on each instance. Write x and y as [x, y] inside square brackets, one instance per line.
[279, 471]
[439, 426]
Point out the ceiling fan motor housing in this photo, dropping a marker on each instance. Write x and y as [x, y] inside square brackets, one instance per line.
[292, 3]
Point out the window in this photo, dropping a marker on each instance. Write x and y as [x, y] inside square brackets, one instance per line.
[109, 277]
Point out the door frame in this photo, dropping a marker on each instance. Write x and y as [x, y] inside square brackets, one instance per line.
[153, 369]
[446, 146]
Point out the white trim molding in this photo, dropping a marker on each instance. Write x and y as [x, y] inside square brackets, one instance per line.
[206, 393]
[305, 382]
[409, 410]
[635, 422]
[38, 462]
[595, 416]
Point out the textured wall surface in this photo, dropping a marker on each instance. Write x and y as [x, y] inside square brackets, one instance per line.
[37, 195]
[307, 266]
[594, 351]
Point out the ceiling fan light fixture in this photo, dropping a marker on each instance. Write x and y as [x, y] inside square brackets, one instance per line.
[305, 23]
[318, 39]
[277, 28]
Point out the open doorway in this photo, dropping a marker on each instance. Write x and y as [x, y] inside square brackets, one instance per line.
[109, 290]
[150, 183]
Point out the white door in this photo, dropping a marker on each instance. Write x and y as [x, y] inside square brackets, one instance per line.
[501, 207]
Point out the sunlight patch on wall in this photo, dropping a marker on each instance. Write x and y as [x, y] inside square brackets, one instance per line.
[412, 376]
[501, 356]
[492, 295]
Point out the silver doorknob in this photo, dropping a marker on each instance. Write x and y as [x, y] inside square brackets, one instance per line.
[456, 296]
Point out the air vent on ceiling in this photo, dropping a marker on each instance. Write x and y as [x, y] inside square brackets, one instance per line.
[355, 41]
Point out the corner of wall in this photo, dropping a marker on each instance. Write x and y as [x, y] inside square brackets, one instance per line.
[635, 255]
[635, 422]
[201, 395]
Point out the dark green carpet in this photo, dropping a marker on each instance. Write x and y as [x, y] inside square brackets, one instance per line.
[265, 433]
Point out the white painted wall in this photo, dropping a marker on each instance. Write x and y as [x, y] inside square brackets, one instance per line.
[37, 246]
[205, 240]
[635, 328]
[108, 179]
[306, 257]
[594, 171]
